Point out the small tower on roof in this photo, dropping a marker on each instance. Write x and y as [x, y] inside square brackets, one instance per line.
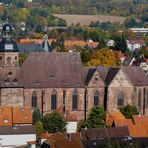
[45, 44]
[9, 52]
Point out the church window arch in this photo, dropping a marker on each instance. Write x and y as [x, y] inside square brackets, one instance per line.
[96, 98]
[120, 100]
[75, 100]
[34, 99]
[53, 100]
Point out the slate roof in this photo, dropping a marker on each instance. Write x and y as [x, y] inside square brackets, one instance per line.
[111, 74]
[52, 70]
[136, 75]
[11, 130]
[97, 133]
[9, 42]
[28, 48]
[103, 70]
[89, 72]
[10, 77]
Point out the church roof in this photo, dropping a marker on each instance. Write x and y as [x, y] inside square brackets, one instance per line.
[111, 74]
[10, 77]
[136, 75]
[52, 70]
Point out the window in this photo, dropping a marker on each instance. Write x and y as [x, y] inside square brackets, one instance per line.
[8, 60]
[15, 57]
[54, 100]
[34, 99]
[96, 98]
[139, 98]
[75, 100]
[120, 100]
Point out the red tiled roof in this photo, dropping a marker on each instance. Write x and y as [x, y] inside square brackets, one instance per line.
[60, 140]
[22, 115]
[5, 116]
[136, 41]
[15, 115]
[31, 142]
[45, 136]
[138, 131]
[140, 119]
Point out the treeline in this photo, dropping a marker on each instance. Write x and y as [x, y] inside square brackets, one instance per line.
[38, 13]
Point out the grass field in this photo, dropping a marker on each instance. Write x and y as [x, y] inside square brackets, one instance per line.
[85, 20]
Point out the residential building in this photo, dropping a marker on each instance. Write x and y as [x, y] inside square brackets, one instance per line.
[13, 136]
[135, 44]
[60, 140]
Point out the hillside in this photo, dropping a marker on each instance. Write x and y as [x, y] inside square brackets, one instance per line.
[85, 20]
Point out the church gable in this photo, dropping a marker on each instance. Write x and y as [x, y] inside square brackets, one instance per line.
[96, 80]
[121, 80]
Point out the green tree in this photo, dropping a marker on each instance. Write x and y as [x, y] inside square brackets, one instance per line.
[129, 110]
[39, 128]
[22, 57]
[96, 118]
[120, 43]
[54, 122]
[36, 115]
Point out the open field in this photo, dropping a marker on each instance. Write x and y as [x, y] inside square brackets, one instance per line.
[85, 20]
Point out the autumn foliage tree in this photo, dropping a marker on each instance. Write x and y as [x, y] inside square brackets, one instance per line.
[103, 57]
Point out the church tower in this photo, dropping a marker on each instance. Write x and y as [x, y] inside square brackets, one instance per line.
[9, 53]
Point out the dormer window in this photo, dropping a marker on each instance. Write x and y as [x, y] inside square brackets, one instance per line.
[7, 81]
[10, 73]
[38, 82]
[15, 81]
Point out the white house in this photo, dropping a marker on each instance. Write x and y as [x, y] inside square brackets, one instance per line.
[135, 44]
[12, 136]
[109, 43]
[72, 127]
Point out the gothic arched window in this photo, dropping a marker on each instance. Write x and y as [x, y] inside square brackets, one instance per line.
[139, 98]
[120, 100]
[96, 98]
[54, 100]
[75, 100]
[34, 99]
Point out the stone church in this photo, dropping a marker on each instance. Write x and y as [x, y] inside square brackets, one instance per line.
[49, 80]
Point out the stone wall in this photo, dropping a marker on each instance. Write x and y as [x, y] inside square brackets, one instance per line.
[13, 59]
[12, 97]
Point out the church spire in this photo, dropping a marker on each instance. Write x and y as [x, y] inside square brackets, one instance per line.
[45, 44]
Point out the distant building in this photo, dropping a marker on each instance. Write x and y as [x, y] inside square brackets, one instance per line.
[14, 136]
[140, 30]
[59, 140]
[135, 44]
[109, 43]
